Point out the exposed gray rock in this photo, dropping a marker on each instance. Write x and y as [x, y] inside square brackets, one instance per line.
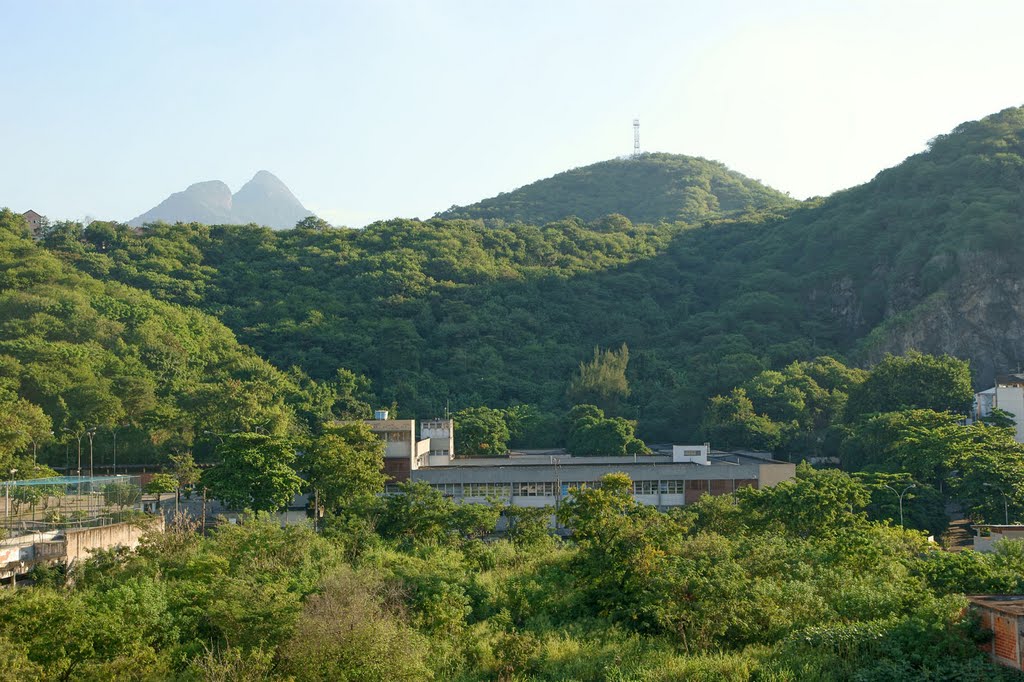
[264, 200]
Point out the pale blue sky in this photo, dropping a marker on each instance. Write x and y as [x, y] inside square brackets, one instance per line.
[372, 110]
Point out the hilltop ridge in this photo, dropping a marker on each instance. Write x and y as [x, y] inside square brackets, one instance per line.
[651, 188]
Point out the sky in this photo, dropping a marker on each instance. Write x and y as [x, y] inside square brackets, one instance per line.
[386, 108]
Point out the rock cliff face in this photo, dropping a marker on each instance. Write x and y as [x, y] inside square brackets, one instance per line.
[979, 316]
[264, 200]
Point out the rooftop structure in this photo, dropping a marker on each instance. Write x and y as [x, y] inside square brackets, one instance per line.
[1003, 615]
[1007, 395]
[986, 535]
[659, 480]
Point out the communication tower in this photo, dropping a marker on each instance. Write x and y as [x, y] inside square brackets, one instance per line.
[636, 137]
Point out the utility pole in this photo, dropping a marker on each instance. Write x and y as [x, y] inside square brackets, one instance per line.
[316, 510]
[203, 526]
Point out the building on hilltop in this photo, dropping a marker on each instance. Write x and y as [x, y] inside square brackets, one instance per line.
[35, 221]
[1007, 395]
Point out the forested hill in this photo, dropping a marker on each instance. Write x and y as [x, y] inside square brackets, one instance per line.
[78, 353]
[651, 188]
[928, 255]
[454, 312]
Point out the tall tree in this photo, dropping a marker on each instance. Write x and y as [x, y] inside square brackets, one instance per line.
[255, 472]
[602, 381]
[345, 467]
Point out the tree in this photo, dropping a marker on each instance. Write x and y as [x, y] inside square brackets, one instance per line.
[730, 421]
[480, 431]
[939, 383]
[817, 502]
[120, 494]
[591, 433]
[345, 466]
[185, 471]
[602, 381]
[160, 484]
[254, 472]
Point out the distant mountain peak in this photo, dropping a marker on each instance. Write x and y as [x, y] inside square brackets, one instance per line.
[264, 200]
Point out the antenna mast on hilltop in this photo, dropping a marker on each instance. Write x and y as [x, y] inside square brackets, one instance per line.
[636, 137]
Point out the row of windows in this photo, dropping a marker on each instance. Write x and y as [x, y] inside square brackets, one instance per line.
[548, 488]
[488, 489]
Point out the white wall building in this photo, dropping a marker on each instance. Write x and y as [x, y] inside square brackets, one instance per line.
[1007, 395]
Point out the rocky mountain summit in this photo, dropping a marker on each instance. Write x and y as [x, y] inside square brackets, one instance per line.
[264, 200]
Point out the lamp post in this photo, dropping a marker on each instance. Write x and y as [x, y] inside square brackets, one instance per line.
[114, 429]
[79, 436]
[33, 441]
[900, 496]
[91, 432]
[1006, 503]
[7, 501]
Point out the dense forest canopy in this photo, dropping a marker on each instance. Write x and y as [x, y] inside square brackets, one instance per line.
[466, 313]
[650, 188]
[79, 353]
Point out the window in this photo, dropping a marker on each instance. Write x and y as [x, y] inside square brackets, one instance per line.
[390, 488]
[448, 489]
[438, 453]
[691, 453]
[696, 485]
[541, 489]
[673, 487]
[645, 487]
[487, 489]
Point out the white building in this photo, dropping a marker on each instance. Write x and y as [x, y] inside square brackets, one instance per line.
[1007, 395]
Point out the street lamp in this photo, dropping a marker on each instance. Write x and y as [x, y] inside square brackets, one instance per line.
[79, 436]
[114, 429]
[217, 435]
[7, 503]
[900, 495]
[1006, 503]
[92, 433]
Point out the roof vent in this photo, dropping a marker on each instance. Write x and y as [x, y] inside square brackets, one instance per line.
[380, 415]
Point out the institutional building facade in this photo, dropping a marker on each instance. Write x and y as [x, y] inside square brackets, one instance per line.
[539, 480]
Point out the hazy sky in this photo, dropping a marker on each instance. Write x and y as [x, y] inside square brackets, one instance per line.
[377, 109]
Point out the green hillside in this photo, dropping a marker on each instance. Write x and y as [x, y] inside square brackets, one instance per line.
[651, 188]
[77, 353]
[455, 313]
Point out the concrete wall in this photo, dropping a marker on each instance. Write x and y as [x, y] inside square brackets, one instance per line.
[81, 541]
[774, 473]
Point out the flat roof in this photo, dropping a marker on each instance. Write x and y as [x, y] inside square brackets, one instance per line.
[390, 424]
[1004, 603]
[715, 458]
